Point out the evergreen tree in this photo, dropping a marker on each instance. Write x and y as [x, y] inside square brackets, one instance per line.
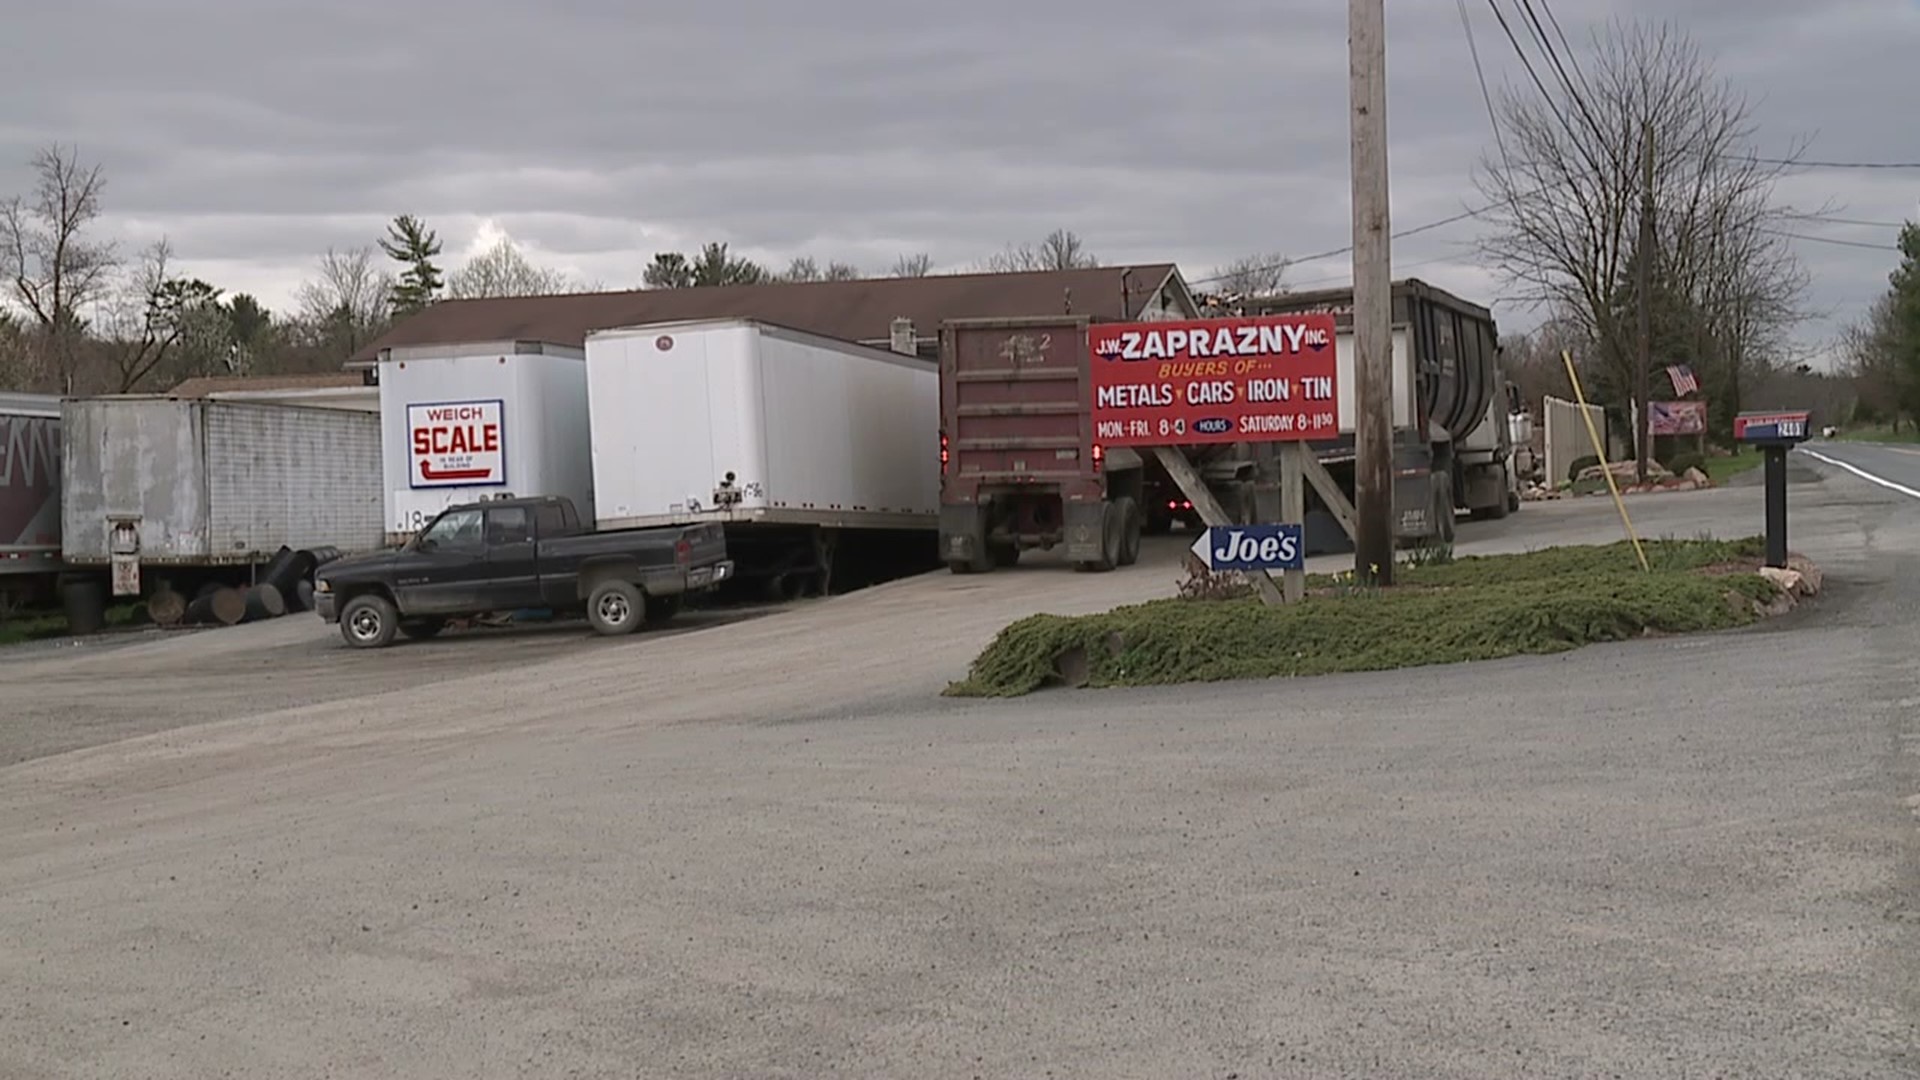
[410, 243]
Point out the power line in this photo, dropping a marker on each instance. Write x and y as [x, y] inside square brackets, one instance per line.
[1331, 252]
[1828, 219]
[1831, 240]
[1835, 164]
[1493, 118]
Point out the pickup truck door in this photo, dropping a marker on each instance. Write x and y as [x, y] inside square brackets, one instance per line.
[447, 568]
[513, 567]
[551, 521]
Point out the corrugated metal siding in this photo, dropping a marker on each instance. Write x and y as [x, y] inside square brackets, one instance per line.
[139, 458]
[302, 477]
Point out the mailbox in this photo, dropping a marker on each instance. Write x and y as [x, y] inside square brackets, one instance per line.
[1774, 433]
[1771, 428]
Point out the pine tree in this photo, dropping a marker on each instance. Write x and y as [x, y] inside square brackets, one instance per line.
[412, 244]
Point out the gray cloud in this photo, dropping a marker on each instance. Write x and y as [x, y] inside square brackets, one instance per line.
[257, 134]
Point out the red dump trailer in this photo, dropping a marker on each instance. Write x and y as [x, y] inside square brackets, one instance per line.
[1019, 465]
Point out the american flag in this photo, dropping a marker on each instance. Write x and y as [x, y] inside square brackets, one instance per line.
[1683, 381]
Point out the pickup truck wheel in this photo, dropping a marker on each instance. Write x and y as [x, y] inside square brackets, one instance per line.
[615, 608]
[369, 622]
[422, 629]
[664, 608]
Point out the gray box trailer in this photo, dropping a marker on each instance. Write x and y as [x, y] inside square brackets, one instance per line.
[151, 481]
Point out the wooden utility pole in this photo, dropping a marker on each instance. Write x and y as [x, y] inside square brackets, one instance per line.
[1643, 373]
[1372, 294]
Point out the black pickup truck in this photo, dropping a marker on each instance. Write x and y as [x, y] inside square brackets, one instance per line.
[514, 554]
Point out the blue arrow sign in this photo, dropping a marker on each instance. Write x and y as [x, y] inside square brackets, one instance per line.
[1252, 547]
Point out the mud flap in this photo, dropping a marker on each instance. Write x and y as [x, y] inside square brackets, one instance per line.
[963, 534]
[1084, 524]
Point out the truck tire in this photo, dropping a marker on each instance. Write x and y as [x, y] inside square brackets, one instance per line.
[369, 621]
[422, 629]
[1112, 533]
[1005, 554]
[1443, 508]
[1131, 524]
[616, 607]
[1500, 506]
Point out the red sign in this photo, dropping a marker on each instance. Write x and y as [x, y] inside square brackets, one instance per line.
[456, 444]
[1259, 379]
[1676, 418]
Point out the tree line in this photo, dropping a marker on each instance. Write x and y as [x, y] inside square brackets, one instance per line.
[78, 315]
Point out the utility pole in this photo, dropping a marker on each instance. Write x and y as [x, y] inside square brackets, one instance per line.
[1372, 294]
[1643, 373]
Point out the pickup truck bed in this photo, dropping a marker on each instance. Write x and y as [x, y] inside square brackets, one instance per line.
[514, 554]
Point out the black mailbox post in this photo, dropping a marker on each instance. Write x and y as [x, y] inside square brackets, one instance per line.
[1774, 433]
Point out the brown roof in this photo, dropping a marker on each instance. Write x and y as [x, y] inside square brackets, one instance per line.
[201, 386]
[848, 310]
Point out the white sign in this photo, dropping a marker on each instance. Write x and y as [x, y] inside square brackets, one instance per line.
[456, 444]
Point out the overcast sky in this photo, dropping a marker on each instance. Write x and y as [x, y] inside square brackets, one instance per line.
[256, 133]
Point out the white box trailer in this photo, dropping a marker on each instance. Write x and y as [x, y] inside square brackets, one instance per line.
[155, 482]
[485, 420]
[820, 456]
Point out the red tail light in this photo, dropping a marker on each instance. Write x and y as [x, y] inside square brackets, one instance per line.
[944, 456]
[683, 552]
[1099, 456]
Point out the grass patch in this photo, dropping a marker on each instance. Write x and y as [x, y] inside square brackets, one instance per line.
[26, 626]
[1475, 608]
[1722, 469]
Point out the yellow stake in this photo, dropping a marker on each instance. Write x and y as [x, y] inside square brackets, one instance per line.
[1600, 451]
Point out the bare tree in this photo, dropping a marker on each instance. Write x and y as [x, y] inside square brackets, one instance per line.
[917, 265]
[502, 270]
[1251, 275]
[346, 306]
[154, 313]
[53, 268]
[1566, 188]
[1061, 249]
[806, 268]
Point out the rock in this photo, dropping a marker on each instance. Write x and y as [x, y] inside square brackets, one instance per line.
[1787, 581]
[1810, 575]
[1699, 478]
[1686, 485]
[1624, 472]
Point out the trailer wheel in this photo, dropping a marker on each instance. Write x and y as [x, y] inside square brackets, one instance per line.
[1130, 527]
[616, 607]
[1005, 554]
[369, 622]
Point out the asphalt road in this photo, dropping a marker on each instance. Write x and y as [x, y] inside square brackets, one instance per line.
[765, 848]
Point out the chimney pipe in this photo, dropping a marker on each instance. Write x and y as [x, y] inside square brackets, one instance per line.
[903, 341]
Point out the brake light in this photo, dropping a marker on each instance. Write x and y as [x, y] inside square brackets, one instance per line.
[1099, 456]
[944, 456]
[683, 552]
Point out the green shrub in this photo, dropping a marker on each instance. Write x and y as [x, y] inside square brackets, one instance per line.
[1679, 463]
[1580, 464]
[1473, 608]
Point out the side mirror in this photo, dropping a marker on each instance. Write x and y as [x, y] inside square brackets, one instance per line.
[425, 543]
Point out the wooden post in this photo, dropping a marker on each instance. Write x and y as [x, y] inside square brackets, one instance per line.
[1372, 292]
[1643, 375]
[1188, 479]
[1293, 510]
